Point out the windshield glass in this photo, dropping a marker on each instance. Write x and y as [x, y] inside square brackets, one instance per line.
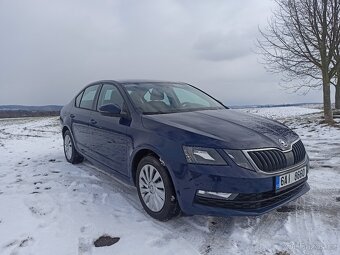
[157, 98]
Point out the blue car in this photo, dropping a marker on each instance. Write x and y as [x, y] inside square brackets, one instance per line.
[183, 150]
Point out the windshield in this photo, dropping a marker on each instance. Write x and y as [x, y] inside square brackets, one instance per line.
[158, 98]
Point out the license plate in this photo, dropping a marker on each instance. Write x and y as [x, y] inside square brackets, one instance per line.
[287, 179]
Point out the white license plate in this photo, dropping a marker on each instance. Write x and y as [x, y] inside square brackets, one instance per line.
[287, 179]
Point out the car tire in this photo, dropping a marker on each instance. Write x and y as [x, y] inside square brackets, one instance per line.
[151, 178]
[70, 152]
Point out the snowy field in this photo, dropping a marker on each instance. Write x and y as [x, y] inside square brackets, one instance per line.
[281, 112]
[48, 206]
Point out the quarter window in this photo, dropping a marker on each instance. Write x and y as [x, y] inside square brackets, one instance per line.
[78, 98]
[88, 97]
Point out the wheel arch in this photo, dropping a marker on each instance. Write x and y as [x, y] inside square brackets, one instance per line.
[137, 157]
[65, 128]
[143, 152]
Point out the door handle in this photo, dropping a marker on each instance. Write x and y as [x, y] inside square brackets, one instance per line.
[72, 116]
[92, 121]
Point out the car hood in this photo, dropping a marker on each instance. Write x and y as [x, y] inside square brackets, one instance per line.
[232, 129]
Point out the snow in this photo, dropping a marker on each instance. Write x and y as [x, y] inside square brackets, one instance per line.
[281, 112]
[48, 206]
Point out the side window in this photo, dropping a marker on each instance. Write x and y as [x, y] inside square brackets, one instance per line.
[88, 97]
[110, 95]
[78, 98]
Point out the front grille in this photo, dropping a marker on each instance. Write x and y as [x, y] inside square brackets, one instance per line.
[269, 160]
[273, 160]
[253, 200]
[299, 151]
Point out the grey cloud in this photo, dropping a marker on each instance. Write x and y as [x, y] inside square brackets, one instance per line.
[50, 49]
[220, 47]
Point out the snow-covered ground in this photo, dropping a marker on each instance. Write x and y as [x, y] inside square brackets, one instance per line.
[48, 206]
[281, 112]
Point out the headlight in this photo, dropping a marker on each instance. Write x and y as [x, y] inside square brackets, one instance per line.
[239, 158]
[207, 156]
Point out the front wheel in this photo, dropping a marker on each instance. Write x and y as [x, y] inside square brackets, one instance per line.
[70, 151]
[155, 189]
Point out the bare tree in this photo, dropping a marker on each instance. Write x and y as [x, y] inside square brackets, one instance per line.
[301, 42]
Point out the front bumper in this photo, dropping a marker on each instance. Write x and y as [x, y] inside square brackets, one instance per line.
[256, 191]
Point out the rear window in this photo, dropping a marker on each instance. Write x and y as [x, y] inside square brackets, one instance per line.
[89, 95]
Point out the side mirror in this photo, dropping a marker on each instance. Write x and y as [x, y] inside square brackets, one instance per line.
[110, 110]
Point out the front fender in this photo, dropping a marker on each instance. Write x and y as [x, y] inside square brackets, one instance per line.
[175, 154]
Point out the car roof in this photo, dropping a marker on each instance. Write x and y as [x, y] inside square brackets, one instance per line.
[131, 81]
[134, 81]
[140, 81]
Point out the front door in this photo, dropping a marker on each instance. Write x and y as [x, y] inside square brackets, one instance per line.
[110, 142]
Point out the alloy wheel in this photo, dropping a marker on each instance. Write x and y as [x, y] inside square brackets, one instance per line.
[152, 188]
[68, 147]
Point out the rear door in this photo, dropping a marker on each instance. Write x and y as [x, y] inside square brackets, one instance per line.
[110, 142]
[81, 117]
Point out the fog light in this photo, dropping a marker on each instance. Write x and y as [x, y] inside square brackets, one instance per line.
[216, 195]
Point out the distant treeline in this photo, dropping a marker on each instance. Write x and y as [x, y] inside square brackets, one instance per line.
[32, 108]
[24, 113]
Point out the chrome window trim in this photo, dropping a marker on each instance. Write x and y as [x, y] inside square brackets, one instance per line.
[281, 171]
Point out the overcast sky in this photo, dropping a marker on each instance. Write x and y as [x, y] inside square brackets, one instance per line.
[50, 49]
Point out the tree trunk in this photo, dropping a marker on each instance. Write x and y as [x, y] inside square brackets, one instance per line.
[327, 105]
[337, 93]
